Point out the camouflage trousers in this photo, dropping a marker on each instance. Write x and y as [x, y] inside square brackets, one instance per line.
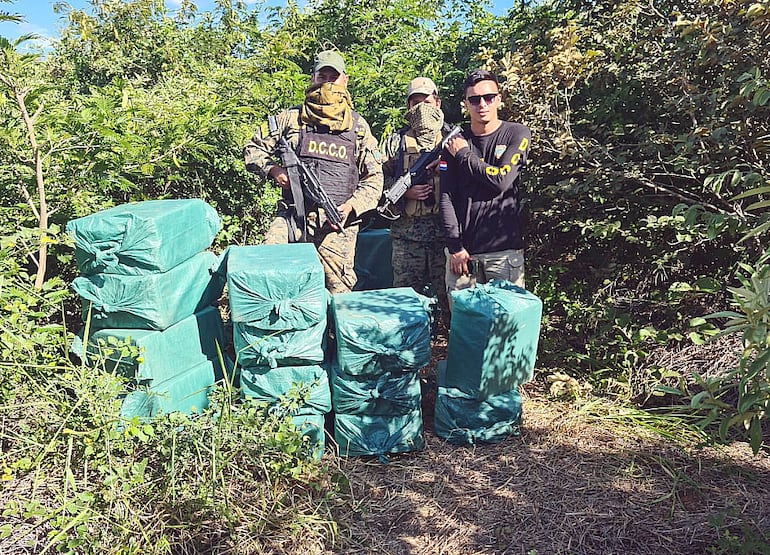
[335, 250]
[420, 265]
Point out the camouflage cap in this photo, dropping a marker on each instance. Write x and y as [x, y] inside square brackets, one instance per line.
[421, 85]
[329, 58]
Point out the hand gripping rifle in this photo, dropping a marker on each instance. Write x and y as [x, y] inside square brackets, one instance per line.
[416, 174]
[304, 182]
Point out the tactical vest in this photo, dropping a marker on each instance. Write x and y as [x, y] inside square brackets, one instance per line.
[332, 156]
[409, 154]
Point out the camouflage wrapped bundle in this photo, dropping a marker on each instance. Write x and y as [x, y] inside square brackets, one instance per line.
[306, 388]
[389, 394]
[151, 301]
[187, 392]
[143, 237]
[492, 339]
[150, 354]
[462, 419]
[257, 347]
[363, 434]
[381, 331]
[276, 287]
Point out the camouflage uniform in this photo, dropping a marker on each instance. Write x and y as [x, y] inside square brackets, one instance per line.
[417, 236]
[336, 251]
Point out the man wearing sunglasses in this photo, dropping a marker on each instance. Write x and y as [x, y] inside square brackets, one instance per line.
[480, 181]
[418, 248]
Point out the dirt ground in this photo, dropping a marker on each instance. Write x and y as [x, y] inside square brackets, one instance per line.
[570, 483]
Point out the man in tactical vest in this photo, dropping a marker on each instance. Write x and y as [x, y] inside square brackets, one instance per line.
[418, 247]
[336, 144]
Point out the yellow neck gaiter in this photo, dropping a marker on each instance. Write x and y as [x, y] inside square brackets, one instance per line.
[330, 105]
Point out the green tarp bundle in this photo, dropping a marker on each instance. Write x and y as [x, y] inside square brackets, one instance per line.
[462, 419]
[187, 392]
[157, 354]
[306, 387]
[256, 347]
[373, 265]
[389, 394]
[276, 287]
[493, 339]
[312, 427]
[386, 330]
[151, 301]
[363, 434]
[143, 237]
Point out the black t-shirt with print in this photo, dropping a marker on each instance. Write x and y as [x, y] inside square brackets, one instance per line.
[480, 208]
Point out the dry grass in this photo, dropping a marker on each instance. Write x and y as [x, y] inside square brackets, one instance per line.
[568, 484]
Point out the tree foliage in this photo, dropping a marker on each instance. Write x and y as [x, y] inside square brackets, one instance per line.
[647, 192]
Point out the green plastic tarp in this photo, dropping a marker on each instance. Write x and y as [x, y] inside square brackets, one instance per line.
[493, 338]
[276, 287]
[373, 264]
[151, 301]
[186, 392]
[463, 420]
[363, 434]
[305, 387]
[256, 347]
[150, 354]
[142, 237]
[389, 394]
[312, 427]
[145, 354]
[386, 330]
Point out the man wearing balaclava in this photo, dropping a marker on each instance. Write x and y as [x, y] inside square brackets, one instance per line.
[418, 247]
[337, 144]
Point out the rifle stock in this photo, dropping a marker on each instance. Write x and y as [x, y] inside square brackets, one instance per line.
[417, 173]
[309, 184]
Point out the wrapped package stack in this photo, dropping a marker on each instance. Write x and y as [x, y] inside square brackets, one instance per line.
[148, 284]
[382, 340]
[491, 351]
[278, 305]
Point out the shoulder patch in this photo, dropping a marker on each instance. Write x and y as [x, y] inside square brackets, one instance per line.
[499, 151]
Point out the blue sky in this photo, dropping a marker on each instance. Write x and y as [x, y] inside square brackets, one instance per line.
[40, 18]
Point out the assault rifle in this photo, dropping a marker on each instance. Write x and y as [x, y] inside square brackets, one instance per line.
[304, 182]
[418, 173]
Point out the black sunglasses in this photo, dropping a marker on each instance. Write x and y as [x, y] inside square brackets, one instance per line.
[475, 100]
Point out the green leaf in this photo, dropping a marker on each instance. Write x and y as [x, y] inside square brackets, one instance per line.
[758, 205]
[761, 97]
[696, 338]
[752, 193]
[755, 435]
[698, 399]
[668, 390]
[707, 284]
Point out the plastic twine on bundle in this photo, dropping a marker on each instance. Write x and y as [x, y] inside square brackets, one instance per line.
[261, 310]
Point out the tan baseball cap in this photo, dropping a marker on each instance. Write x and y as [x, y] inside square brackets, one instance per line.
[421, 85]
[329, 58]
